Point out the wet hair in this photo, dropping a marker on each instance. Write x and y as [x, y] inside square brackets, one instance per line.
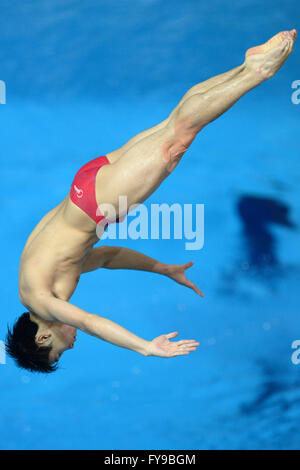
[21, 346]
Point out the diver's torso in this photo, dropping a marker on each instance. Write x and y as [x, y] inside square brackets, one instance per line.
[55, 251]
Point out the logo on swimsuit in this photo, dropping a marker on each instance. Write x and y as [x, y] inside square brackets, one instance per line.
[79, 192]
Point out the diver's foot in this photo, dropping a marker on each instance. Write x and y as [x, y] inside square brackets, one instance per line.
[266, 60]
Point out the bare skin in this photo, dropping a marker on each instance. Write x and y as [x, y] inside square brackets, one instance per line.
[61, 247]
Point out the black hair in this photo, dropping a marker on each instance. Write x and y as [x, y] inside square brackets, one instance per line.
[21, 346]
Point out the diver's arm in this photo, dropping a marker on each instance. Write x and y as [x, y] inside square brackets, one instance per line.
[161, 346]
[51, 308]
[115, 257]
[125, 258]
[59, 310]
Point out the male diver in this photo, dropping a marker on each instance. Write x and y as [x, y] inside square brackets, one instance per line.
[61, 247]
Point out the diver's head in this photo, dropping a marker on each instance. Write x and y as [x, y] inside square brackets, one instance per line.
[36, 344]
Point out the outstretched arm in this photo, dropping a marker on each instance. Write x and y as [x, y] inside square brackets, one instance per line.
[54, 309]
[124, 258]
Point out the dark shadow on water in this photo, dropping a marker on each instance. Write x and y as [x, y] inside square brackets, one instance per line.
[271, 392]
[257, 215]
[259, 259]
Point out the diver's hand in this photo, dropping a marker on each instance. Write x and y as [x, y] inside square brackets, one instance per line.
[162, 347]
[177, 273]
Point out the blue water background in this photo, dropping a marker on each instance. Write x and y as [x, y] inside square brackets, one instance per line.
[81, 79]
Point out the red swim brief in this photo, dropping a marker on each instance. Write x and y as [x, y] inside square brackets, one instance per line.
[83, 190]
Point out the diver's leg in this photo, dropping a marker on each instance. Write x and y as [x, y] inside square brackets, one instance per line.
[198, 88]
[207, 85]
[262, 62]
[147, 163]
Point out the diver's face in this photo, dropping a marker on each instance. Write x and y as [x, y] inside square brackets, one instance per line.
[62, 338]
